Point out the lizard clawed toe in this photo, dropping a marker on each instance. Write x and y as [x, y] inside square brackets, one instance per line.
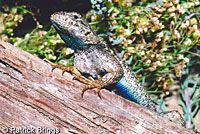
[83, 79]
[91, 83]
[53, 66]
[71, 69]
[91, 87]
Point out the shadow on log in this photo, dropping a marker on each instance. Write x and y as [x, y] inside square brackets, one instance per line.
[34, 97]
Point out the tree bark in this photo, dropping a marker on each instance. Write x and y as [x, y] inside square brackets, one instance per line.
[34, 98]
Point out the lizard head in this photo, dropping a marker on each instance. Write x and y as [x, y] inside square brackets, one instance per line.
[74, 30]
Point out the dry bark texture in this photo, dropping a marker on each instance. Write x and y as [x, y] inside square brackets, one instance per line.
[33, 96]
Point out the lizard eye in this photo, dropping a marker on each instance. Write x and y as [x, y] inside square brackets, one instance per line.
[76, 17]
[87, 33]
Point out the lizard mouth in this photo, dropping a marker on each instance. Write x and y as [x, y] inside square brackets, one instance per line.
[58, 27]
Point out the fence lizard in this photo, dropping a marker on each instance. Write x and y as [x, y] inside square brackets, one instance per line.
[93, 57]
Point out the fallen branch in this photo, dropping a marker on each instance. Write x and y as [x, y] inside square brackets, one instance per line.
[32, 96]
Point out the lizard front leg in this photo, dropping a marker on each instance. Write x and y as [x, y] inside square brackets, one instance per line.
[71, 69]
[109, 78]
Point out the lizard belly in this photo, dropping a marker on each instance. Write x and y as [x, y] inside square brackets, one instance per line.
[86, 64]
[132, 89]
[128, 90]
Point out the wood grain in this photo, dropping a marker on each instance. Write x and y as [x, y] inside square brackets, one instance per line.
[33, 96]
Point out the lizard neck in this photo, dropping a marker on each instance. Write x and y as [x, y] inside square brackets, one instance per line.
[73, 43]
[76, 44]
[86, 47]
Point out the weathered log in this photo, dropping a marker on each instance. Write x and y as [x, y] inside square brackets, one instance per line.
[33, 97]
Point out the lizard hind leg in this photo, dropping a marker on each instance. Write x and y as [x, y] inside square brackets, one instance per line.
[92, 86]
[174, 116]
[91, 83]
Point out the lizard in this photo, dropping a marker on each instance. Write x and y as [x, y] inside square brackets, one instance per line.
[93, 57]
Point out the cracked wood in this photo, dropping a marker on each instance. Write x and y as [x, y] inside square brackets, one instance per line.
[33, 96]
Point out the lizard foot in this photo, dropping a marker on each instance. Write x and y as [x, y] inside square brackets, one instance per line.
[174, 116]
[71, 69]
[91, 83]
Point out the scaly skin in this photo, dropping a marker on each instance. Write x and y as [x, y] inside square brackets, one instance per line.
[92, 57]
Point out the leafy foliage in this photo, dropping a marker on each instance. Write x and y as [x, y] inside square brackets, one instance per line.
[190, 92]
[46, 44]
[159, 40]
